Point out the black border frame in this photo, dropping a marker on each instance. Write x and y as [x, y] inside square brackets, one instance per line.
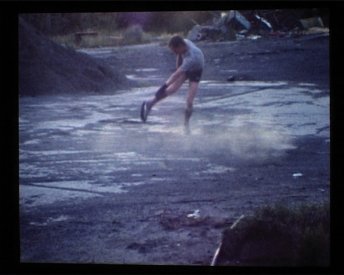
[10, 246]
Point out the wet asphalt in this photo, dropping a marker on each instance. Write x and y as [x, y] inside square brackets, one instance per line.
[99, 186]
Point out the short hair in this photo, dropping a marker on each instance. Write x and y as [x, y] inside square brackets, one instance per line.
[176, 41]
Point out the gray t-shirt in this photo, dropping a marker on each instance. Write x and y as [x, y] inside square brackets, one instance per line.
[193, 58]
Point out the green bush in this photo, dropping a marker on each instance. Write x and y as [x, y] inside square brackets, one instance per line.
[278, 235]
[133, 35]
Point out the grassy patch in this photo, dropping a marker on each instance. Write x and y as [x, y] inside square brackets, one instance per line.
[102, 39]
[278, 235]
[133, 35]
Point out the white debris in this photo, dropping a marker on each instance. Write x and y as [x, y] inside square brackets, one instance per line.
[297, 175]
[216, 255]
[237, 221]
[50, 220]
[194, 215]
[217, 252]
[58, 219]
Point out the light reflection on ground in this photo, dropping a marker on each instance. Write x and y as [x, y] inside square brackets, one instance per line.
[77, 147]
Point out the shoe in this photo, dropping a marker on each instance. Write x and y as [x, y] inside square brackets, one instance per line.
[187, 130]
[144, 111]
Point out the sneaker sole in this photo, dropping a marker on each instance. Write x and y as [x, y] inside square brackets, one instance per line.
[143, 117]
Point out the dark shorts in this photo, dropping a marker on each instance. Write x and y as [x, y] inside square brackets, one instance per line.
[194, 76]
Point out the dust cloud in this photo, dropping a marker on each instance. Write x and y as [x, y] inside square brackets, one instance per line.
[246, 143]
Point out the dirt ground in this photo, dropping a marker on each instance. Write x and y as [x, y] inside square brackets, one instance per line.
[98, 186]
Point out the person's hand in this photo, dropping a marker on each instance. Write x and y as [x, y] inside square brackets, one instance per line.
[161, 92]
[163, 87]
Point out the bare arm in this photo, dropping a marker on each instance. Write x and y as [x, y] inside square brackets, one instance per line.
[174, 76]
[179, 60]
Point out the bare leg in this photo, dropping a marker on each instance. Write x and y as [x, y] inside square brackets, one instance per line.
[193, 88]
[169, 90]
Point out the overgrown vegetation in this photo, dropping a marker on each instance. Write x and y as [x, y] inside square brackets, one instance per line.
[125, 28]
[280, 235]
[53, 24]
[114, 29]
[131, 36]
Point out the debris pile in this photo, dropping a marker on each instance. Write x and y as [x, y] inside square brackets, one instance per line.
[48, 68]
[233, 25]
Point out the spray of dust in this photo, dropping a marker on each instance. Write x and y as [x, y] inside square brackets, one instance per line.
[243, 141]
[249, 143]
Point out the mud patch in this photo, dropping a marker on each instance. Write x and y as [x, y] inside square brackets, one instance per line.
[176, 220]
[146, 246]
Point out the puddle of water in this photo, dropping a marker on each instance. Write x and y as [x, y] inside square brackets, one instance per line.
[255, 84]
[71, 124]
[32, 141]
[56, 152]
[166, 129]
[228, 71]
[109, 137]
[306, 84]
[98, 52]
[32, 196]
[216, 169]
[245, 142]
[143, 78]
[50, 220]
[286, 108]
[146, 70]
[31, 170]
[41, 193]
[127, 155]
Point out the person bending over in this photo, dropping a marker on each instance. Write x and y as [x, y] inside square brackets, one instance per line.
[190, 63]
